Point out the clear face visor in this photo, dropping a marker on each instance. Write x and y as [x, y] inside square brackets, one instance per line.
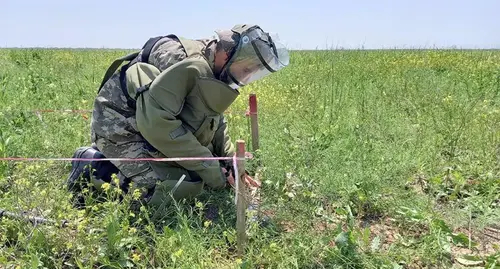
[257, 56]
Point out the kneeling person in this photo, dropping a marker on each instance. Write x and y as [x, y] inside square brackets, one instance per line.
[168, 101]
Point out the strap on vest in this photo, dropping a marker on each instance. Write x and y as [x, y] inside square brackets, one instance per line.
[191, 48]
[146, 49]
[112, 68]
[132, 58]
[123, 86]
[142, 89]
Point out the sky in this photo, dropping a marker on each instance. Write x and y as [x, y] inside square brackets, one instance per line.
[312, 24]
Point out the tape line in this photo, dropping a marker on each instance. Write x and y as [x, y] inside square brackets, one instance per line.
[122, 159]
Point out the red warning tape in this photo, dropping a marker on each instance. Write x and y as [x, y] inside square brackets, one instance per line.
[117, 159]
[63, 110]
[83, 111]
[248, 155]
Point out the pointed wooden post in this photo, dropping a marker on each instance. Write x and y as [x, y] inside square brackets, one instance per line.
[254, 193]
[241, 203]
[252, 100]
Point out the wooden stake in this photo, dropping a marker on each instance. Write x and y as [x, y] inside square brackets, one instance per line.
[252, 100]
[254, 193]
[241, 203]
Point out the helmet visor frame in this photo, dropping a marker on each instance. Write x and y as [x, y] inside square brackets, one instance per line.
[256, 56]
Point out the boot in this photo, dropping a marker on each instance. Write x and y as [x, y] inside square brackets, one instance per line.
[100, 170]
[81, 168]
[84, 171]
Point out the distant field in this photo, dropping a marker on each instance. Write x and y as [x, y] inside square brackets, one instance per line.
[373, 159]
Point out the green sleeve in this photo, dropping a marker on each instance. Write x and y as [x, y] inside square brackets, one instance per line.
[223, 146]
[156, 114]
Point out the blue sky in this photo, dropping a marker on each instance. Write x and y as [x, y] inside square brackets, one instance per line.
[301, 25]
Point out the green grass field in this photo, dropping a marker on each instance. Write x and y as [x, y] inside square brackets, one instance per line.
[372, 159]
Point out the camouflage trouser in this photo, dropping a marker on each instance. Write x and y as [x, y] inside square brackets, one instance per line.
[114, 132]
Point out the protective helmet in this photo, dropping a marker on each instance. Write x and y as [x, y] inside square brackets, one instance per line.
[255, 56]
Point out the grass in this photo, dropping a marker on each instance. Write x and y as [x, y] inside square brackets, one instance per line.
[372, 159]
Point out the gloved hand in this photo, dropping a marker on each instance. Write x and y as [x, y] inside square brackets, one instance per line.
[249, 181]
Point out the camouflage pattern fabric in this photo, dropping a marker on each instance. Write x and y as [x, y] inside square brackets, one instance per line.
[114, 129]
